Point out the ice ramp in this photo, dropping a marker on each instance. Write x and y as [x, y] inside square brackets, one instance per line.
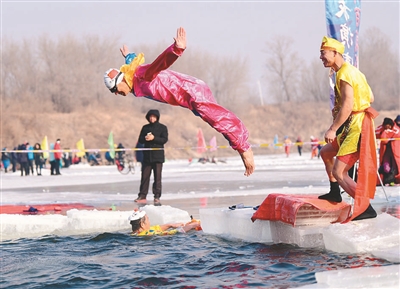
[301, 210]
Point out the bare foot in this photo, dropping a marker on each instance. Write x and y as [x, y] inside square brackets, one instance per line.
[248, 161]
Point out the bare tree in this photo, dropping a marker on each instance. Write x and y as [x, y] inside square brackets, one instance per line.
[315, 82]
[228, 81]
[282, 68]
[64, 74]
[18, 68]
[226, 76]
[380, 64]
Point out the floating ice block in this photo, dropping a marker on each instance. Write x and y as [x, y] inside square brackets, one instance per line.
[93, 221]
[160, 215]
[77, 222]
[235, 224]
[366, 277]
[303, 236]
[213, 221]
[369, 235]
[31, 226]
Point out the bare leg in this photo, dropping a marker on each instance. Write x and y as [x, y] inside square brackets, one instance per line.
[328, 154]
[340, 172]
[248, 161]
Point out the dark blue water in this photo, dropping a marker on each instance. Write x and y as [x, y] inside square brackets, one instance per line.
[194, 260]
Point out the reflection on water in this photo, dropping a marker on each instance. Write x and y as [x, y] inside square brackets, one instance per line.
[194, 260]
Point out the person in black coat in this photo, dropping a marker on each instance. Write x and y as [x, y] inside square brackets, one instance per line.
[153, 136]
[14, 159]
[23, 160]
[39, 160]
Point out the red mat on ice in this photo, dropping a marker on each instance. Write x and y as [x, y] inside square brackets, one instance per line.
[42, 209]
[281, 207]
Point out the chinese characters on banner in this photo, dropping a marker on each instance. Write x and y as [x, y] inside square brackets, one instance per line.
[343, 23]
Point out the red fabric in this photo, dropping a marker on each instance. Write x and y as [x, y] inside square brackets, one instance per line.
[157, 82]
[42, 208]
[201, 143]
[366, 178]
[281, 207]
[57, 155]
[381, 133]
[314, 147]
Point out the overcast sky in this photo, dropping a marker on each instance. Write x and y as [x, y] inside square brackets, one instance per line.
[226, 28]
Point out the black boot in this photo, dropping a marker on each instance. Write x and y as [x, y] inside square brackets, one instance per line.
[369, 213]
[333, 195]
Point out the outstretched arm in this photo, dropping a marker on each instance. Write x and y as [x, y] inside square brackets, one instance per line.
[180, 42]
[168, 57]
[171, 226]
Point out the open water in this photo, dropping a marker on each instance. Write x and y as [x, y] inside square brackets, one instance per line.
[193, 260]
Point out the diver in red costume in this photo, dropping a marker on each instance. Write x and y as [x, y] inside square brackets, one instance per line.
[157, 82]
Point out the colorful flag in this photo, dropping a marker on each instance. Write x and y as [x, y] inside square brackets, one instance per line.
[213, 144]
[343, 23]
[81, 147]
[201, 142]
[111, 144]
[45, 146]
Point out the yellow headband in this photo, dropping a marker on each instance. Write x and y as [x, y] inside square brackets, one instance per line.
[332, 44]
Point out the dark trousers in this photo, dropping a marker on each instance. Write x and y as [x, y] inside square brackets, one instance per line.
[147, 168]
[38, 167]
[30, 164]
[53, 167]
[14, 165]
[58, 163]
[24, 168]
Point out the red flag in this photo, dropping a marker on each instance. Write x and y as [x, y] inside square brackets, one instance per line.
[213, 144]
[201, 143]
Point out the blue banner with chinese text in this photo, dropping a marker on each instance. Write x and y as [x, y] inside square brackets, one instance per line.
[343, 23]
